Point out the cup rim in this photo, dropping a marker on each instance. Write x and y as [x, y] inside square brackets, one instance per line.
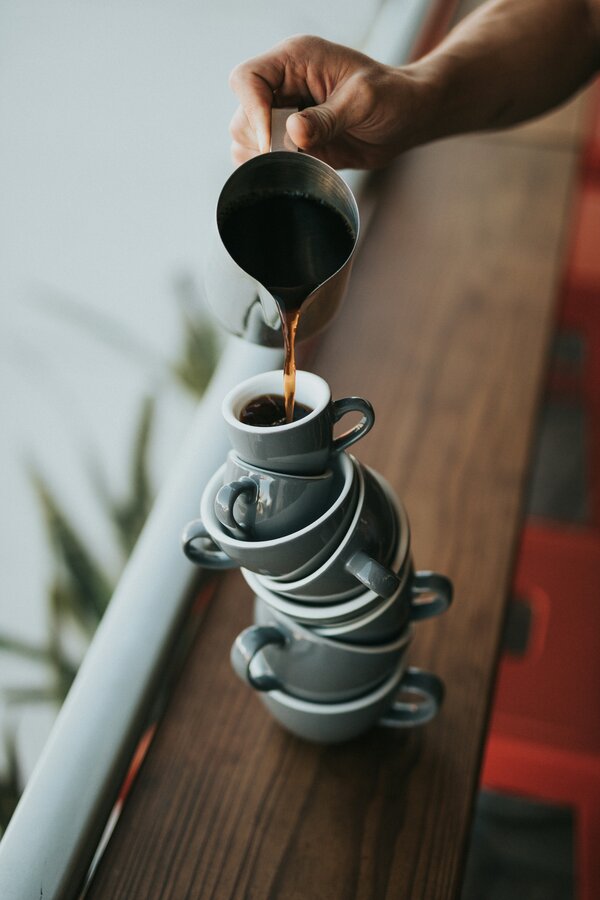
[332, 560]
[348, 706]
[402, 640]
[320, 615]
[278, 476]
[349, 626]
[245, 391]
[207, 513]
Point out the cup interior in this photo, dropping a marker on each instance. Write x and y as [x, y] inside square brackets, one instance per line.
[311, 390]
[344, 477]
[282, 172]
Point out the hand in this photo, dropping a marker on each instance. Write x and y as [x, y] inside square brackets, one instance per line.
[355, 112]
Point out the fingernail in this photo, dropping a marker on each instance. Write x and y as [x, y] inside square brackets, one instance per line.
[309, 125]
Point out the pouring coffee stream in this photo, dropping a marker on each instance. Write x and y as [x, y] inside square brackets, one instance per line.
[290, 243]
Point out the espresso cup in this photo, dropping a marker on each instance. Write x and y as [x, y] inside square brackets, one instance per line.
[387, 705]
[255, 504]
[206, 542]
[277, 653]
[302, 447]
[361, 558]
[366, 619]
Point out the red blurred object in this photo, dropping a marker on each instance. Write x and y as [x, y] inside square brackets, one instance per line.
[579, 315]
[579, 311]
[552, 693]
[558, 776]
[591, 153]
[544, 739]
[545, 730]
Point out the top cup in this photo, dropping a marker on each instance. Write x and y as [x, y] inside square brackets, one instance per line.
[301, 447]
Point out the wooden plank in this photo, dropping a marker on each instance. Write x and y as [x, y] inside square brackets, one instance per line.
[446, 330]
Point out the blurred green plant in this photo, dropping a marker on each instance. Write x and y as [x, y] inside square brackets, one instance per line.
[9, 780]
[80, 588]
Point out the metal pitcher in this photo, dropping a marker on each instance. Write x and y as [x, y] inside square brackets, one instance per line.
[241, 303]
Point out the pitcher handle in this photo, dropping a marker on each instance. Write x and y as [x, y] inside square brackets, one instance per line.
[280, 139]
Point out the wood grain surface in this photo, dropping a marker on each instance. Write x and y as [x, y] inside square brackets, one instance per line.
[446, 330]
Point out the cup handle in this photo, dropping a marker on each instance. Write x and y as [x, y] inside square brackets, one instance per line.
[226, 497]
[352, 404]
[429, 583]
[429, 696]
[211, 556]
[245, 647]
[373, 574]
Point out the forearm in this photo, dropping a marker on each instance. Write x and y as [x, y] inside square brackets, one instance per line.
[509, 61]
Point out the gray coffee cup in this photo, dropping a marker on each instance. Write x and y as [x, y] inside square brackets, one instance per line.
[256, 504]
[206, 542]
[361, 560]
[365, 619]
[329, 723]
[296, 660]
[298, 448]
[424, 595]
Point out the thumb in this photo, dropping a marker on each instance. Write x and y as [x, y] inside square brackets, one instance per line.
[317, 125]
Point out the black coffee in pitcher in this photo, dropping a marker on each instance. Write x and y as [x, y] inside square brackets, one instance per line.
[289, 242]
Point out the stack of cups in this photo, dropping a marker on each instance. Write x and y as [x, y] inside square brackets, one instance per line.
[325, 546]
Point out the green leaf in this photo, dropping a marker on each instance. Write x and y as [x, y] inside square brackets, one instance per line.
[25, 649]
[101, 327]
[10, 781]
[25, 696]
[89, 586]
[200, 351]
[129, 514]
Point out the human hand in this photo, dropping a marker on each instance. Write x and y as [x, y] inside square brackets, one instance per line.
[355, 112]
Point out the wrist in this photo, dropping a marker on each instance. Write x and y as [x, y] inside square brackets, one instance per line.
[421, 93]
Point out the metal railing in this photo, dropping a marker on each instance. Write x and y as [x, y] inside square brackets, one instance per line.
[55, 829]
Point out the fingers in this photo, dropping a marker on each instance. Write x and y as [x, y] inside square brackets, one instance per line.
[337, 90]
[244, 144]
[319, 125]
[254, 82]
[281, 71]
